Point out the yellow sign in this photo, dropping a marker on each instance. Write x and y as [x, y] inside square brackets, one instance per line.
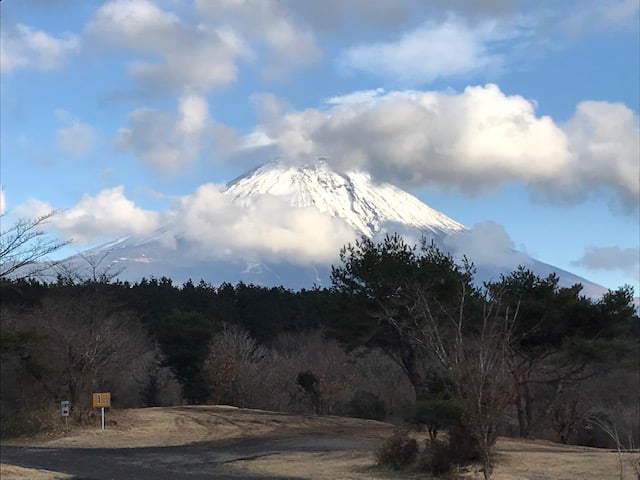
[102, 400]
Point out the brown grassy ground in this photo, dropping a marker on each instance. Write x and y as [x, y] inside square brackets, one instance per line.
[159, 427]
[515, 460]
[12, 472]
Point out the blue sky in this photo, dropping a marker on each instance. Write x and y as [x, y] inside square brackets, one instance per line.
[521, 116]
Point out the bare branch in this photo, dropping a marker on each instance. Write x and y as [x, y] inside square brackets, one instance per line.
[26, 244]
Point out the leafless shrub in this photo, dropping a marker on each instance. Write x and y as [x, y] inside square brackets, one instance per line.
[233, 354]
[291, 354]
[246, 374]
[398, 452]
[628, 452]
[569, 412]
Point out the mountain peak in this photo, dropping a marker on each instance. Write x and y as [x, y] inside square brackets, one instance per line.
[353, 196]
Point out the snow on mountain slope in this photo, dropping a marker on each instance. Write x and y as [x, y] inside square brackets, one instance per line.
[351, 196]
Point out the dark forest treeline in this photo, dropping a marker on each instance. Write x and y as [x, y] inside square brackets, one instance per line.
[404, 333]
[176, 322]
[263, 311]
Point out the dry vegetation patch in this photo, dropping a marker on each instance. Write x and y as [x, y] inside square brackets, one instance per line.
[13, 472]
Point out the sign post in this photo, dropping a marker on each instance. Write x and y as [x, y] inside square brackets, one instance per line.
[102, 400]
[65, 407]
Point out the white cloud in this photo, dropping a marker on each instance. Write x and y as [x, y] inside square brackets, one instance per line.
[430, 39]
[200, 44]
[213, 226]
[196, 56]
[626, 260]
[107, 215]
[356, 98]
[163, 143]
[600, 14]
[3, 201]
[270, 230]
[137, 24]
[331, 15]
[486, 244]
[605, 140]
[33, 208]
[621, 13]
[289, 44]
[434, 50]
[194, 114]
[208, 64]
[471, 141]
[254, 140]
[76, 137]
[151, 138]
[23, 46]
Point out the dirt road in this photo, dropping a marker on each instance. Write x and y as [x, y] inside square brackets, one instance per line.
[197, 461]
[201, 442]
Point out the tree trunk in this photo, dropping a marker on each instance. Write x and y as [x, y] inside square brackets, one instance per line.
[528, 408]
[522, 418]
[410, 364]
[525, 410]
[486, 459]
[523, 402]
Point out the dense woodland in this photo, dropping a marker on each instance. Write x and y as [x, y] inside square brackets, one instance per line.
[404, 334]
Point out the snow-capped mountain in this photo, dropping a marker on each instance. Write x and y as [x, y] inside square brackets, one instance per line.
[351, 196]
[351, 200]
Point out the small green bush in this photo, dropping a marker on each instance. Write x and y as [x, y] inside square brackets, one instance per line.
[435, 412]
[398, 452]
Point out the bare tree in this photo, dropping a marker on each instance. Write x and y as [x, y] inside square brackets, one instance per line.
[568, 411]
[26, 244]
[232, 353]
[69, 346]
[90, 345]
[470, 345]
[88, 267]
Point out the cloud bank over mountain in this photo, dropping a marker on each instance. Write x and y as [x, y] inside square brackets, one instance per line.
[472, 141]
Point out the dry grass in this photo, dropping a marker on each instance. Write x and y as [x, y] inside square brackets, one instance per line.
[536, 460]
[12, 472]
[166, 426]
[321, 466]
[515, 459]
